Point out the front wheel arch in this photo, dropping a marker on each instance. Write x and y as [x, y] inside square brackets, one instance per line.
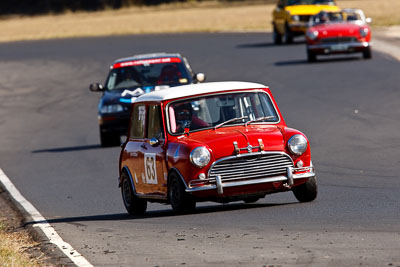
[176, 172]
[178, 198]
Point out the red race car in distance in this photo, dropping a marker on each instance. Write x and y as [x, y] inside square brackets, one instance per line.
[342, 32]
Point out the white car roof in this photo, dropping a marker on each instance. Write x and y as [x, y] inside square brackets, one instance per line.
[196, 89]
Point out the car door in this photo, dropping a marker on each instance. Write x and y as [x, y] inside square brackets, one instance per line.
[153, 151]
[134, 148]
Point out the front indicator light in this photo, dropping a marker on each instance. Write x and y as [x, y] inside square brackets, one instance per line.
[300, 164]
[312, 35]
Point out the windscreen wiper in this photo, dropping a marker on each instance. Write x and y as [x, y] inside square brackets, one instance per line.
[231, 120]
[259, 119]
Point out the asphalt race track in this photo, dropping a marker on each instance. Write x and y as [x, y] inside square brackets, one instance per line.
[348, 107]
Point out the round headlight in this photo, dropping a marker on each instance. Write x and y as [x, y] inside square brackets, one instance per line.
[297, 144]
[363, 32]
[295, 18]
[200, 156]
[312, 35]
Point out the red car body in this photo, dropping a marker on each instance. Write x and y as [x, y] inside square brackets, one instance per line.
[247, 159]
[347, 32]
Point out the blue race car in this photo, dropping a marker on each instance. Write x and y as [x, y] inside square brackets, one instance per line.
[131, 77]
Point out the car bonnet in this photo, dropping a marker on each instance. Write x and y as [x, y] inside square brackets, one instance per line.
[221, 141]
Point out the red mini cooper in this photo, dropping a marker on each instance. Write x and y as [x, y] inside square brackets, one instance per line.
[341, 32]
[224, 141]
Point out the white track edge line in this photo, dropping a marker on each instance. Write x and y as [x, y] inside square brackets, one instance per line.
[47, 229]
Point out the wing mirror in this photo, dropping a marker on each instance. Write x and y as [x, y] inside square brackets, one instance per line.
[368, 20]
[200, 77]
[154, 142]
[96, 87]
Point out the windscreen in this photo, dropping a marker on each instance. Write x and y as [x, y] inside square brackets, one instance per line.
[353, 16]
[220, 110]
[327, 17]
[310, 2]
[150, 72]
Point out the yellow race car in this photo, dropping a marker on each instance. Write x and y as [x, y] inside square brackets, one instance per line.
[291, 17]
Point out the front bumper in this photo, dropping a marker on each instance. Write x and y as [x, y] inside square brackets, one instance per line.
[118, 123]
[217, 184]
[338, 48]
[298, 28]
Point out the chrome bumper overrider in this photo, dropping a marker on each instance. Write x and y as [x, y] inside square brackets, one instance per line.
[219, 185]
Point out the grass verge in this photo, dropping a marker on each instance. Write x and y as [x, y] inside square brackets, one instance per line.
[209, 16]
[17, 247]
[12, 249]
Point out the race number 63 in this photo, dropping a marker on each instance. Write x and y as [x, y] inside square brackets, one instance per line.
[150, 168]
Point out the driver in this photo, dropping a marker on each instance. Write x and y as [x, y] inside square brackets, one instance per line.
[183, 116]
[323, 17]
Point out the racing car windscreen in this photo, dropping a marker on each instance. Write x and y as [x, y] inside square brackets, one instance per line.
[147, 73]
[210, 111]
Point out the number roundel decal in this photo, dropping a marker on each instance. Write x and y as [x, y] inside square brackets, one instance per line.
[150, 168]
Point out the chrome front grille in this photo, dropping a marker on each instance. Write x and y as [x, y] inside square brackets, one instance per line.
[251, 166]
[338, 40]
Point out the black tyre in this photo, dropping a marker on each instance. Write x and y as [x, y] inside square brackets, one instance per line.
[311, 57]
[306, 192]
[288, 35]
[251, 200]
[133, 204]
[277, 36]
[181, 201]
[367, 54]
[108, 139]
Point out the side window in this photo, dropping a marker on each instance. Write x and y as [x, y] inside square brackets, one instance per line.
[111, 80]
[138, 121]
[154, 126]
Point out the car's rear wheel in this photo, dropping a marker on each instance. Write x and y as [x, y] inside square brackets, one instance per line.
[133, 204]
[311, 57]
[108, 139]
[367, 53]
[306, 192]
[181, 201]
[288, 35]
[277, 36]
